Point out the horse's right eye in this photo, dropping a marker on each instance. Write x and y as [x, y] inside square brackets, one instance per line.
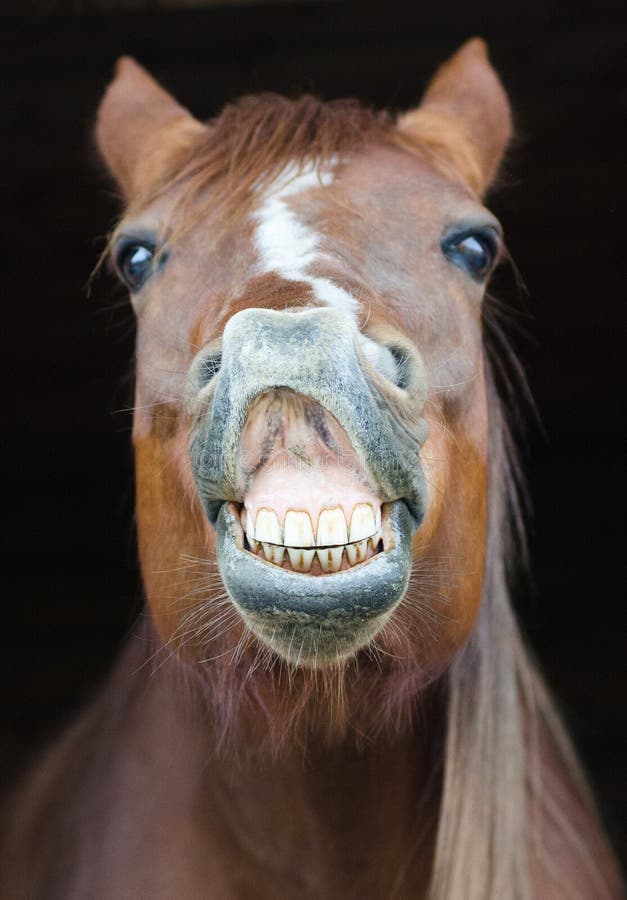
[134, 261]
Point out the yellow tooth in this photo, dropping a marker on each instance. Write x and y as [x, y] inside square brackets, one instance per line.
[250, 532]
[300, 560]
[267, 527]
[330, 558]
[356, 553]
[378, 518]
[250, 525]
[362, 522]
[331, 528]
[273, 553]
[376, 539]
[298, 529]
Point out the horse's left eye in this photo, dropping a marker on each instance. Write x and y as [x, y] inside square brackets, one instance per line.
[473, 251]
[134, 262]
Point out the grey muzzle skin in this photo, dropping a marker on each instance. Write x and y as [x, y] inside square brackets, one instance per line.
[312, 620]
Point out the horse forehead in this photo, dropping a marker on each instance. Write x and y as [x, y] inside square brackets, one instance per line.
[287, 239]
[392, 186]
[383, 188]
[322, 225]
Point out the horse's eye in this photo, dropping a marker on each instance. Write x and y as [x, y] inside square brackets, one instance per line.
[134, 262]
[474, 251]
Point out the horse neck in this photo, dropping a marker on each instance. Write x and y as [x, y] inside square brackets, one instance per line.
[360, 816]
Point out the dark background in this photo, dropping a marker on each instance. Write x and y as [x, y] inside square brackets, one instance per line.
[71, 588]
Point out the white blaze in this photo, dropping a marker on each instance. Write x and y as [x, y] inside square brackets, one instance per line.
[289, 247]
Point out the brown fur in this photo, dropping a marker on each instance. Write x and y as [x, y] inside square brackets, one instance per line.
[432, 764]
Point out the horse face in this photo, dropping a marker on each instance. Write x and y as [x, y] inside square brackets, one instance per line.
[311, 407]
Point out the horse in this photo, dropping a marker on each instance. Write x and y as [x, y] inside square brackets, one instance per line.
[327, 694]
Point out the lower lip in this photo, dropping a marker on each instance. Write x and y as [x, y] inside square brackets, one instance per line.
[299, 590]
[342, 610]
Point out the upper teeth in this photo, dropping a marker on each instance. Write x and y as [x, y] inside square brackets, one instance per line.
[332, 533]
[267, 527]
[298, 531]
[332, 530]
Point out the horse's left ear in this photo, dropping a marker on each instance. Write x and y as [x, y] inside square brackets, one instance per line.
[464, 115]
[141, 131]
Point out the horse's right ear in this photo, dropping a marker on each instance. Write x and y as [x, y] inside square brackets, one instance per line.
[141, 131]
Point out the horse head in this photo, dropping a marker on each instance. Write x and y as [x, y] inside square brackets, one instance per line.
[311, 422]
[330, 696]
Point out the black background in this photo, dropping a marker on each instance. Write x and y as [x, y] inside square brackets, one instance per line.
[71, 588]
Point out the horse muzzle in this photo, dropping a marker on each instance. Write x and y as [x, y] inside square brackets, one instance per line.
[307, 469]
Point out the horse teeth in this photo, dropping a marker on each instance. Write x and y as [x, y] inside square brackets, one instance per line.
[250, 532]
[274, 553]
[331, 528]
[331, 540]
[300, 559]
[298, 529]
[267, 527]
[362, 522]
[330, 558]
[357, 552]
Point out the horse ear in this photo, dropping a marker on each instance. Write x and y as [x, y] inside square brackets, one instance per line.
[465, 115]
[141, 131]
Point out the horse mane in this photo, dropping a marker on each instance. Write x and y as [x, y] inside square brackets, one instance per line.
[249, 144]
[499, 802]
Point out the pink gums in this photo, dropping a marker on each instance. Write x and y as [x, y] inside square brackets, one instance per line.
[294, 468]
[280, 486]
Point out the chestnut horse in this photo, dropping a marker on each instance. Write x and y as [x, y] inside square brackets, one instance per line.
[328, 696]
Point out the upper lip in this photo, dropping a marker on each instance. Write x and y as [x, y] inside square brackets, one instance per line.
[263, 352]
[414, 496]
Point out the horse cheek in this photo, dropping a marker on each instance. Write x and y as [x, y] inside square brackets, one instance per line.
[172, 533]
[467, 525]
[449, 548]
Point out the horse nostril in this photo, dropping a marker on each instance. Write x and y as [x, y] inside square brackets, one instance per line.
[393, 361]
[403, 366]
[209, 368]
